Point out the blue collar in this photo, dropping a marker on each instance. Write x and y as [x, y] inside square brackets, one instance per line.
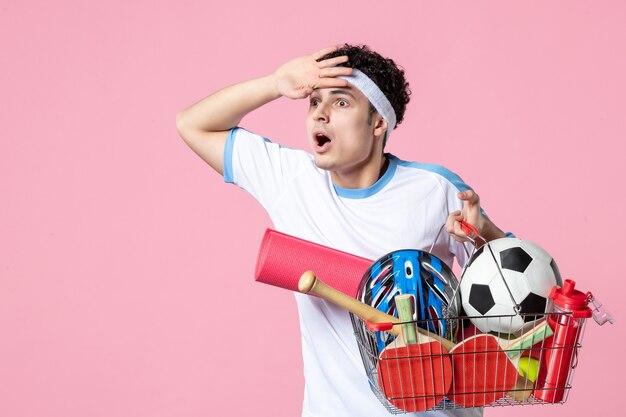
[355, 193]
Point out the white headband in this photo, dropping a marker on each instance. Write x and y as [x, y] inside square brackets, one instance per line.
[370, 90]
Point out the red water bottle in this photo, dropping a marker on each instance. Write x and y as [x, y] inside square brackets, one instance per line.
[570, 311]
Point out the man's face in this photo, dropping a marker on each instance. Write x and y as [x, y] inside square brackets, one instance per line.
[341, 131]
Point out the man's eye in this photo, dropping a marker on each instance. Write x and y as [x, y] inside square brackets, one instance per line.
[342, 103]
[314, 102]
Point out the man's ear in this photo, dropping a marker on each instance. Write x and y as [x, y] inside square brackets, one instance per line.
[380, 125]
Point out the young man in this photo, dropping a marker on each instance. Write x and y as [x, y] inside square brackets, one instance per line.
[348, 194]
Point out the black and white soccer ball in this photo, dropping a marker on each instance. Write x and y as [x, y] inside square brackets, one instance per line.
[530, 273]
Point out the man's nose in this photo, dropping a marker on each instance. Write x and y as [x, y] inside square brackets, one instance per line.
[321, 113]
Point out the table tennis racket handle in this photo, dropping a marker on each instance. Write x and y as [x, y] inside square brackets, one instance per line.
[310, 284]
[405, 306]
[515, 347]
[521, 391]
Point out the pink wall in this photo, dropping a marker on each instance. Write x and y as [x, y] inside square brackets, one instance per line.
[126, 265]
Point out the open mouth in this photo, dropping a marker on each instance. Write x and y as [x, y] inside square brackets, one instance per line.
[322, 140]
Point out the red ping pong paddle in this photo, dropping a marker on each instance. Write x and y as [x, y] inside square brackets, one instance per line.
[414, 377]
[483, 372]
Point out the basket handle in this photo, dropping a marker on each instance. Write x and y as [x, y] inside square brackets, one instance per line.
[468, 229]
[378, 327]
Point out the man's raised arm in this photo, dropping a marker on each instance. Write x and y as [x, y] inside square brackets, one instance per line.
[204, 126]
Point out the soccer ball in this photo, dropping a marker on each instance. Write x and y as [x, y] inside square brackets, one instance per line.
[530, 273]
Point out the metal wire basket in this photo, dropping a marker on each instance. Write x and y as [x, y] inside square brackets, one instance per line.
[472, 379]
[417, 370]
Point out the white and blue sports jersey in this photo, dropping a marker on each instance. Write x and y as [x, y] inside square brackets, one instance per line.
[404, 209]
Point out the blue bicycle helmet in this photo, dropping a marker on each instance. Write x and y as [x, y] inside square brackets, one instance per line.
[426, 277]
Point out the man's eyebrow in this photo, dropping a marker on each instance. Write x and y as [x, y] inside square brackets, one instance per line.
[339, 91]
[343, 91]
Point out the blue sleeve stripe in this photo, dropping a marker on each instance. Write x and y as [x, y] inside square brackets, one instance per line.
[444, 172]
[228, 155]
[448, 175]
[438, 169]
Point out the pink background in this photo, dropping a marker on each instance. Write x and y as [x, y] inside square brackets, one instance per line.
[126, 265]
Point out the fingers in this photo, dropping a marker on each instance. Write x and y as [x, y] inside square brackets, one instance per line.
[450, 222]
[322, 52]
[335, 71]
[459, 234]
[453, 226]
[327, 77]
[453, 218]
[470, 214]
[328, 67]
[331, 83]
[331, 62]
[469, 195]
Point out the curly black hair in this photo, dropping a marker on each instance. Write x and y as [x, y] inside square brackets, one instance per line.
[383, 71]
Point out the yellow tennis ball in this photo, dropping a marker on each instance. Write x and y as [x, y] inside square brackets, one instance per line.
[529, 368]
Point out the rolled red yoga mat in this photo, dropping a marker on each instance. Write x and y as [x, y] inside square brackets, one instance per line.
[284, 258]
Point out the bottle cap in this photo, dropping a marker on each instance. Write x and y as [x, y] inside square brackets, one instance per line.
[571, 299]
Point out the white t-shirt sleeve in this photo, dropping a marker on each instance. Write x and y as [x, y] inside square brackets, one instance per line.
[257, 165]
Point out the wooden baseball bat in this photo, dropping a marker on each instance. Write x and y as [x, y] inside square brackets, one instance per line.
[310, 284]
